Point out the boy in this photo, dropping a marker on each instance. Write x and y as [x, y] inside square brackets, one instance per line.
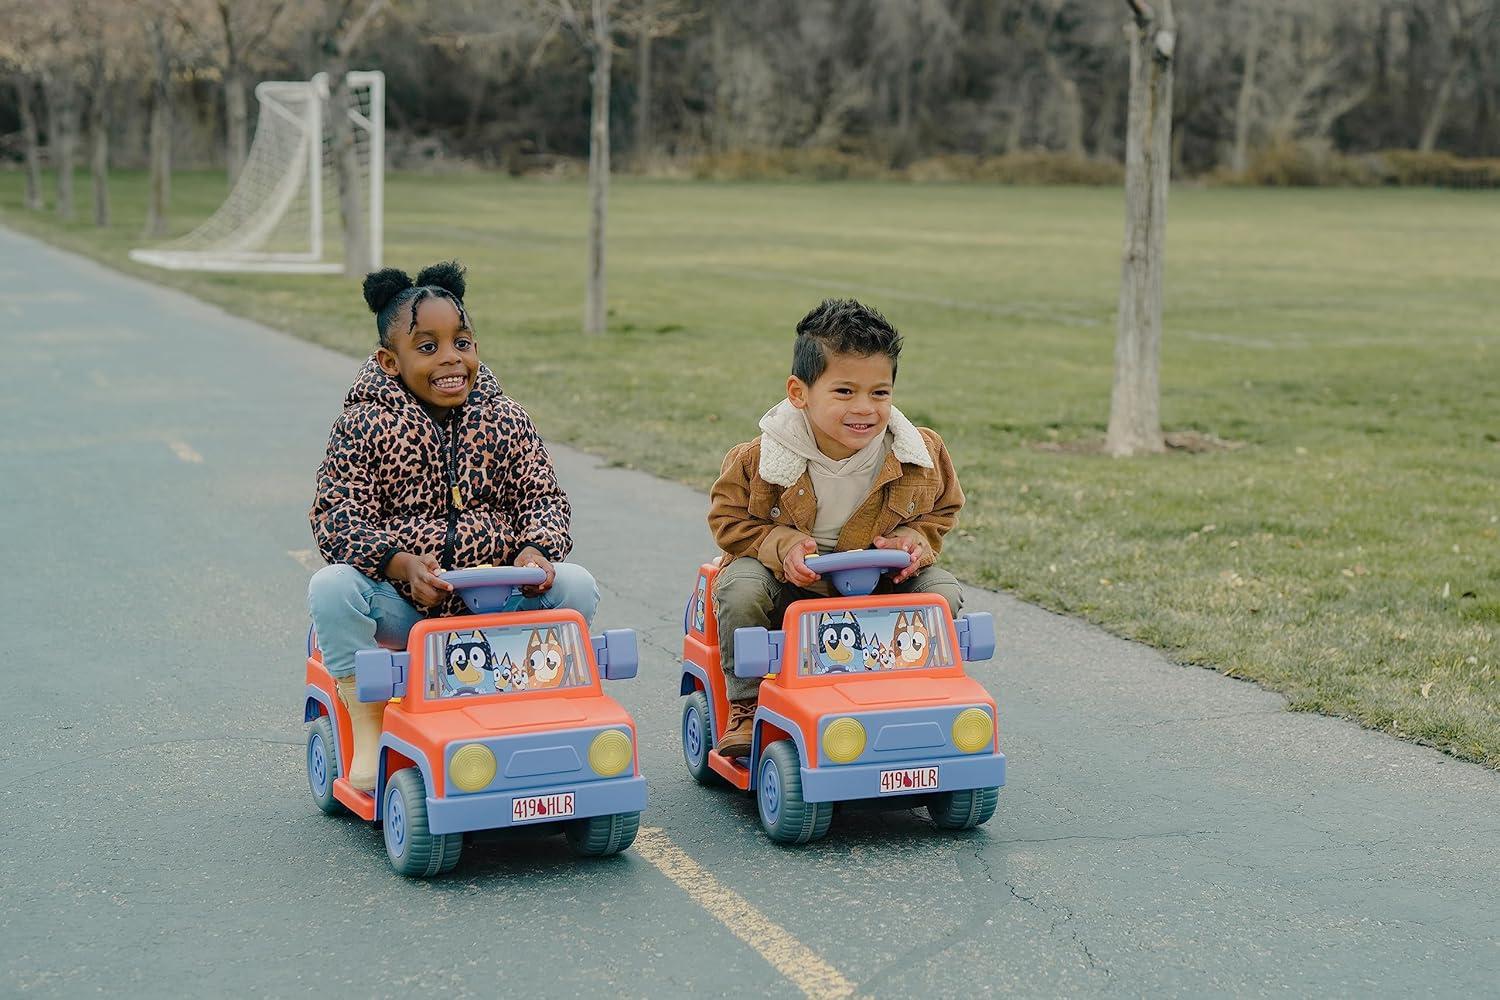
[836, 467]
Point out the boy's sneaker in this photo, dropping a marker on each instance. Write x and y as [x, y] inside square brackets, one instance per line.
[736, 739]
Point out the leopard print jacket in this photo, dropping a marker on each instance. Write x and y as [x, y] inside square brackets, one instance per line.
[474, 490]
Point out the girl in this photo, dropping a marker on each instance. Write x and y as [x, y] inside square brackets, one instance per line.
[430, 467]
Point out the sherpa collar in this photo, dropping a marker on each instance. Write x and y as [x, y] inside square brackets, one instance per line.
[783, 466]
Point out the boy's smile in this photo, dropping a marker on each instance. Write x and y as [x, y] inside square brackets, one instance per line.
[850, 403]
[438, 360]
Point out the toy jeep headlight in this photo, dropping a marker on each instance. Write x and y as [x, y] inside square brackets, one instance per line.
[972, 730]
[843, 740]
[610, 753]
[472, 767]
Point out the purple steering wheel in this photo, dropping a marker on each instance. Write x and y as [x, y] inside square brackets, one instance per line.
[486, 589]
[855, 574]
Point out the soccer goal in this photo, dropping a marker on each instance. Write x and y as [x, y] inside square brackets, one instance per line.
[283, 212]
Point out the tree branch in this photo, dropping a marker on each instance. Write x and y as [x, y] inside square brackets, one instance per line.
[1142, 11]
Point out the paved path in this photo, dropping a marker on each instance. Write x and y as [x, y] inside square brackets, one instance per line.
[1166, 831]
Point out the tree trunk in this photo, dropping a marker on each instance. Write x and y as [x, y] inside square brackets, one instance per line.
[595, 309]
[62, 137]
[99, 142]
[1239, 158]
[346, 169]
[1107, 119]
[160, 155]
[1069, 107]
[719, 46]
[1458, 47]
[1432, 123]
[25, 91]
[1135, 403]
[643, 138]
[356, 225]
[1015, 126]
[236, 122]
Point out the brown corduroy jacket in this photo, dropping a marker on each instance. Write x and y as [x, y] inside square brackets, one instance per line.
[755, 517]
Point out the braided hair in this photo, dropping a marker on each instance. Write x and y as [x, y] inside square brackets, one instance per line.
[388, 291]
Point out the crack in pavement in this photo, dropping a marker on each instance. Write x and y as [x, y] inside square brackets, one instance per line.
[148, 743]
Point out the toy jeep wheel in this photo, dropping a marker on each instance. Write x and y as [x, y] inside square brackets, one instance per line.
[698, 739]
[778, 794]
[601, 836]
[322, 765]
[963, 810]
[413, 849]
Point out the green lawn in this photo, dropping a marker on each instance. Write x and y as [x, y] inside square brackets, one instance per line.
[1349, 340]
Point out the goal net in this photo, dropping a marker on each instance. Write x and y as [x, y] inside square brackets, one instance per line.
[283, 212]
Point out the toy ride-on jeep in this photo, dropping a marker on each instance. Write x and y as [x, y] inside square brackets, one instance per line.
[496, 720]
[864, 698]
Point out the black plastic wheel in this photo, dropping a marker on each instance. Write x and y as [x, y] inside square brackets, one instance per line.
[322, 765]
[963, 810]
[413, 849]
[778, 794]
[601, 836]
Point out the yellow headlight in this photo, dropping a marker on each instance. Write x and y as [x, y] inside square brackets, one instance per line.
[610, 753]
[472, 767]
[843, 740]
[972, 730]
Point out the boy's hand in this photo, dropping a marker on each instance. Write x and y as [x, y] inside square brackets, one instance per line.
[428, 589]
[532, 556]
[917, 548]
[794, 566]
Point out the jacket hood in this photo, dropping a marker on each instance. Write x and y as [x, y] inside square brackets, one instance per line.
[787, 443]
[373, 385]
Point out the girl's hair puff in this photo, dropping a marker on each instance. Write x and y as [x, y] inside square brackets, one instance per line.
[389, 289]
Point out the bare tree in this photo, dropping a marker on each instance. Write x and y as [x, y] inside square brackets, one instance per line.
[1244, 104]
[647, 21]
[237, 33]
[1135, 403]
[344, 24]
[160, 35]
[104, 31]
[25, 87]
[596, 40]
[60, 70]
[1464, 22]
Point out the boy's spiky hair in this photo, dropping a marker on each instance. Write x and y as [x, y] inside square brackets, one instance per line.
[841, 326]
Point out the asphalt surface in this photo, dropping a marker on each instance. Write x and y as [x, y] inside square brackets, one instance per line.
[1165, 831]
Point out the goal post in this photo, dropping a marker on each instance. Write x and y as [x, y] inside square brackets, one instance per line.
[283, 213]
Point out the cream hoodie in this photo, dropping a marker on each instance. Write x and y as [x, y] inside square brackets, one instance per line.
[840, 485]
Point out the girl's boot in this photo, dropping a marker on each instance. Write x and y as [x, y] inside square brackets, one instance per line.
[365, 718]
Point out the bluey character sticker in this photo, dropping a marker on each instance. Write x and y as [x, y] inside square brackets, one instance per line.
[470, 664]
[700, 605]
[544, 660]
[839, 645]
[910, 640]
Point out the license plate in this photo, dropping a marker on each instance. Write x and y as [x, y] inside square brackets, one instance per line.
[908, 779]
[535, 808]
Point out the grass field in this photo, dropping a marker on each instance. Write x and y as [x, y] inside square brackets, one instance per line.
[1346, 553]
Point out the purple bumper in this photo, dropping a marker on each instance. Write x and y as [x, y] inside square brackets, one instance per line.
[841, 782]
[494, 810]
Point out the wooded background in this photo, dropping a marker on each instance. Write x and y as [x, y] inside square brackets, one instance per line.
[888, 83]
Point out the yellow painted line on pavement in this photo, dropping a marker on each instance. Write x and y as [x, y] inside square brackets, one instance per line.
[803, 967]
[184, 451]
[307, 558]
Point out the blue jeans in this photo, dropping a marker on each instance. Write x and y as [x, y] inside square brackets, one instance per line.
[352, 612]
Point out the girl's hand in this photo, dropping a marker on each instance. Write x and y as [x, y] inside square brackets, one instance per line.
[794, 566]
[917, 548]
[532, 556]
[428, 589]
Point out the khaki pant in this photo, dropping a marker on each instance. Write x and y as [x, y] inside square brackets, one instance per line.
[747, 595]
